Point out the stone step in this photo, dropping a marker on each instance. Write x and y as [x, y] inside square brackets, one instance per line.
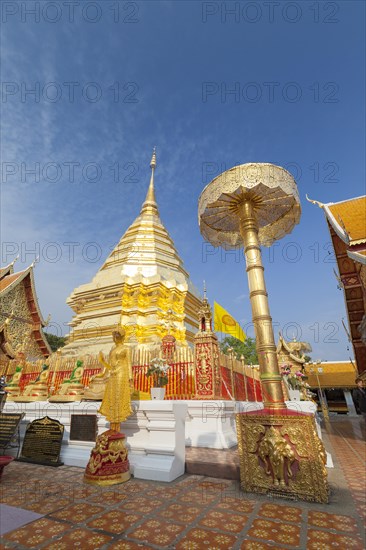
[221, 463]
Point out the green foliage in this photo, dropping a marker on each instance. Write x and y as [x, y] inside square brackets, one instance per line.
[54, 341]
[158, 369]
[307, 358]
[246, 348]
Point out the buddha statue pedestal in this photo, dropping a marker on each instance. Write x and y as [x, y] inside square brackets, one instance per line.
[13, 392]
[33, 392]
[71, 389]
[97, 385]
[108, 463]
[37, 390]
[69, 393]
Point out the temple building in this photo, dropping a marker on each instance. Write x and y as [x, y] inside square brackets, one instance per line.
[336, 380]
[21, 321]
[142, 284]
[347, 226]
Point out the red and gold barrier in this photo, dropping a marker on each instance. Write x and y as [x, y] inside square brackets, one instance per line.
[238, 382]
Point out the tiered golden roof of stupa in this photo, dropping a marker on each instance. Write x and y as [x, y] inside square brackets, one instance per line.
[142, 284]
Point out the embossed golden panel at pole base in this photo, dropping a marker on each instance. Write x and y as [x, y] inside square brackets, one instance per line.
[282, 455]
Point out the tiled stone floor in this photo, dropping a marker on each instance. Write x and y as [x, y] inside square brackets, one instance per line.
[191, 513]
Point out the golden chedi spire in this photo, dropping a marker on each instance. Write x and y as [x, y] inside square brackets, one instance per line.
[143, 284]
[150, 206]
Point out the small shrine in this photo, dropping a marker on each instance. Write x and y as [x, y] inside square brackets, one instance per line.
[207, 365]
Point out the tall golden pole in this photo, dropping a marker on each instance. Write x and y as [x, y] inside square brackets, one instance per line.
[270, 376]
[252, 205]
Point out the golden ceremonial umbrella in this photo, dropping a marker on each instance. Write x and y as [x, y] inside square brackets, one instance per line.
[274, 197]
[251, 205]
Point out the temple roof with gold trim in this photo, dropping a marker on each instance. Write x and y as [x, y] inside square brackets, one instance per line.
[21, 320]
[348, 219]
[334, 374]
[10, 279]
[347, 226]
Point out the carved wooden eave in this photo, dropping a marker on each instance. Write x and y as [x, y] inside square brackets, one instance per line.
[349, 221]
[9, 282]
[347, 226]
[354, 295]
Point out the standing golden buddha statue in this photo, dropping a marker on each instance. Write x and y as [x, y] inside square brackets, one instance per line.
[108, 463]
[116, 404]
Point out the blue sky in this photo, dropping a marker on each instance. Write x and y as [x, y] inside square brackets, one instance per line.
[109, 85]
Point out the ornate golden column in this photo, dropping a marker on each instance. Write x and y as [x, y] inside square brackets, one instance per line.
[266, 348]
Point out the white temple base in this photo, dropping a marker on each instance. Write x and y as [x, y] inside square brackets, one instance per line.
[211, 424]
[155, 437]
[155, 434]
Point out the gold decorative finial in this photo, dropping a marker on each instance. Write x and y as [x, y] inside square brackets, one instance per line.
[15, 259]
[35, 261]
[150, 201]
[320, 204]
[204, 290]
[153, 159]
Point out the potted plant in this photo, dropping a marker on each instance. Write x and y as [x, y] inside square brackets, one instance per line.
[294, 382]
[158, 371]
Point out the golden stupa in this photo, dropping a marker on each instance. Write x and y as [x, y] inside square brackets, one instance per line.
[142, 285]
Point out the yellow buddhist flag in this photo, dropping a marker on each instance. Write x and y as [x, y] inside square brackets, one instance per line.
[224, 322]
